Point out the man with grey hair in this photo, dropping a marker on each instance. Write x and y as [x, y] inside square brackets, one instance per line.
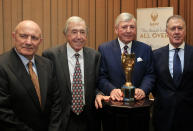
[76, 69]
[173, 92]
[111, 73]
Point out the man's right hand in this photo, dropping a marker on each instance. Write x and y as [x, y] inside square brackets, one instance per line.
[116, 94]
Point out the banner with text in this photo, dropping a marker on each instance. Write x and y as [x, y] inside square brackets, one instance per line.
[151, 26]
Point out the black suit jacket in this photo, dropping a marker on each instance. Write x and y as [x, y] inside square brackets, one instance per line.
[19, 105]
[173, 109]
[91, 64]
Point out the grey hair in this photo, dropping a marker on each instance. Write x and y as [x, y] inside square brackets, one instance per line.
[73, 19]
[175, 17]
[124, 17]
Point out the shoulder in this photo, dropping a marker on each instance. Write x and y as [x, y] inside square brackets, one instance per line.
[43, 60]
[55, 49]
[6, 57]
[160, 51]
[142, 45]
[91, 51]
[108, 44]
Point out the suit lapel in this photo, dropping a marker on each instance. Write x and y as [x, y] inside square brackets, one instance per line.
[63, 58]
[41, 77]
[86, 69]
[187, 58]
[164, 65]
[23, 76]
[117, 56]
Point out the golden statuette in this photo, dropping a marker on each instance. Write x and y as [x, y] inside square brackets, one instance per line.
[128, 62]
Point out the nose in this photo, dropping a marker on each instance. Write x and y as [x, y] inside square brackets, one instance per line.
[128, 29]
[78, 35]
[176, 30]
[28, 40]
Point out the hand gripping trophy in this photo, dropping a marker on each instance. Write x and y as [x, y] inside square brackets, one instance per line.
[128, 61]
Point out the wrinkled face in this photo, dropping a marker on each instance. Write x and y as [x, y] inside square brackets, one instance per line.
[27, 38]
[76, 35]
[126, 31]
[176, 32]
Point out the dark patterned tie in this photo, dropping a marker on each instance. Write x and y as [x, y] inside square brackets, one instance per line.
[77, 92]
[35, 81]
[125, 50]
[177, 70]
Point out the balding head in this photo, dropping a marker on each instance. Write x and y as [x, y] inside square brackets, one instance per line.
[29, 24]
[27, 37]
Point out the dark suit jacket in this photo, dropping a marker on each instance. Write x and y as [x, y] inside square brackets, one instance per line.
[19, 105]
[91, 63]
[173, 109]
[111, 72]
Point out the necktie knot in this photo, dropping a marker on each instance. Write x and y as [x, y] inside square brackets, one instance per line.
[30, 64]
[177, 50]
[125, 49]
[76, 55]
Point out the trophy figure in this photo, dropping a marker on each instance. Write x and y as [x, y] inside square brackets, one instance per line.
[128, 61]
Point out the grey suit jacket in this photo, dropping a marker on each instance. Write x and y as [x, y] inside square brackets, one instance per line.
[20, 109]
[91, 64]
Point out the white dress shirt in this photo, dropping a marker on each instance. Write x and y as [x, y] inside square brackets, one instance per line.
[122, 46]
[171, 56]
[71, 65]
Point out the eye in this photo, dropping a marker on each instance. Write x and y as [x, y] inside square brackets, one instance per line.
[83, 32]
[74, 32]
[132, 27]
[24, 36]
[180, 28]
[124, 27]
[34, 38]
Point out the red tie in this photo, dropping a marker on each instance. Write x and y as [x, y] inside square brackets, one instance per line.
[77, 92]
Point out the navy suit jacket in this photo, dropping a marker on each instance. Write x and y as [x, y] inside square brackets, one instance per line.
[173, 106]
[111, 74]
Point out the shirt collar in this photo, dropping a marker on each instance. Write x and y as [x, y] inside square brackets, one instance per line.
[171, 47]
[71, 51]
[24, 59]
[123, 44]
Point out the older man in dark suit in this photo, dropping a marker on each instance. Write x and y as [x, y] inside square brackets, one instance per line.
[173, 108]
[29, 97]
[67, 59]
[112, 76]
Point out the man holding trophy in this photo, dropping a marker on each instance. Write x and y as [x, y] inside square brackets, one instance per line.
[126, 73]
[115, 71]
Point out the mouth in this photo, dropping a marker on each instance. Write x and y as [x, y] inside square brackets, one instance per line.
[177, 37]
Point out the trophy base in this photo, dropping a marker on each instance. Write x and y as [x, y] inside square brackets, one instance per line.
[128, 93]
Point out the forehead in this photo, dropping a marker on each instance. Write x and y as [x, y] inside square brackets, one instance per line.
[28, 28]
[175, 22]
[131, 22]
[77, 26]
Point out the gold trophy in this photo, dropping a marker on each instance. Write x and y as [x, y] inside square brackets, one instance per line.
[128, 61]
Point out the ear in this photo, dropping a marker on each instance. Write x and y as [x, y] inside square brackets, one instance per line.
[41, 39]
[13, 35]
[116, 30]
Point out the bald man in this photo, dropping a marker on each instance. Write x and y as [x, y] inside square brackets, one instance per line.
[29, 97]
